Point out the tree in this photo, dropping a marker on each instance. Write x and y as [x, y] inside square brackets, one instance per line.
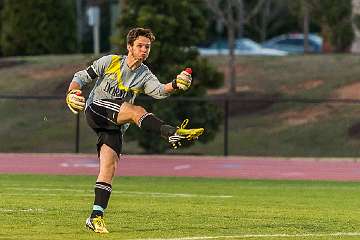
[38, 27]
[334, 19]
[234, 14]
[335, 22]
[178, 26]
[270, 19]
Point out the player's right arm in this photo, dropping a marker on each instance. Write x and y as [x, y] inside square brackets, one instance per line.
[74, 98]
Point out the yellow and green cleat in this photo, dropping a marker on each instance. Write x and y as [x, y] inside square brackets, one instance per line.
[183, 134]
[96, 224]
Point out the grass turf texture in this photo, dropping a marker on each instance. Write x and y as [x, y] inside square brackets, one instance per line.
[55, 207]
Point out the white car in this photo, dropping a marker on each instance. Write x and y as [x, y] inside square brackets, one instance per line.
[293, 43]
[243, 46]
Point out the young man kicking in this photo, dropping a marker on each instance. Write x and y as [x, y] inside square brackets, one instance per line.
[109, 109]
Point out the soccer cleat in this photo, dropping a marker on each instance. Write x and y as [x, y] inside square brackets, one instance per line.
[184, 134]
[96, 224]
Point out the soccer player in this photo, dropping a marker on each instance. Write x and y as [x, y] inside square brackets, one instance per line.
[109, 109]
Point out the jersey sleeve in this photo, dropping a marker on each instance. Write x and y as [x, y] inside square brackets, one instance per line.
[154, 88]
[96, 70]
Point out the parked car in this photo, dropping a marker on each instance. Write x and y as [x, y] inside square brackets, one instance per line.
[243, 46]
[294, 43]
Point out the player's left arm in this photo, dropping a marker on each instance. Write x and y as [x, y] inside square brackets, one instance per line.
[182, 82]
[155, 89]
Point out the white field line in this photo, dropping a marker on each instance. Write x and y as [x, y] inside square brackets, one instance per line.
[128, 193]
[41, 194]
[4, 210]
[186, 195]
[280, 235]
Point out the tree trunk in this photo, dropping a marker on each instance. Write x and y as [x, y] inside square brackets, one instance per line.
[232, 63]
[265, 13]
[326, 35]
[241, 18]
[355, 48]
[306, 26]
[231, 42]
[233, 16]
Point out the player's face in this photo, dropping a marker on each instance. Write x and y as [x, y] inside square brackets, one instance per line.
[140, 49]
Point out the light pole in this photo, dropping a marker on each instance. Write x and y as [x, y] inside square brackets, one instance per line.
[93, 13]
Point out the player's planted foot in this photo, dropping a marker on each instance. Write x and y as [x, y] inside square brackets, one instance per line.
[96, 224]
[184, 134]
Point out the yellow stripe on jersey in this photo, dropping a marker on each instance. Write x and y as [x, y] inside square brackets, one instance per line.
[114, 69]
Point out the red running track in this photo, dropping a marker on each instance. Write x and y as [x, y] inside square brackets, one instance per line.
[339, 169]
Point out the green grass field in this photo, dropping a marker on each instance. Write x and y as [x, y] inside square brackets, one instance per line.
[55, 207]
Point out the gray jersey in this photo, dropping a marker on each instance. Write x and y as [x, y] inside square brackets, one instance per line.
[115, 80]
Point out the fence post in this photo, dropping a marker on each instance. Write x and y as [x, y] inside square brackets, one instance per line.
[77, 134]
[226, 125]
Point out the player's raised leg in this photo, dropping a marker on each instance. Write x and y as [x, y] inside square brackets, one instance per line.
[148, 121]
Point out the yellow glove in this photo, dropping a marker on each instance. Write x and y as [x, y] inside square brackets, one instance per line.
[75, 101]
[183, 80]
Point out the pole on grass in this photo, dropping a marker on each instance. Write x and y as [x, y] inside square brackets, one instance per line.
[77, 135]
[226, 126]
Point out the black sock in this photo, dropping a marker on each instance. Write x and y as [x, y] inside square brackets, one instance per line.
[102, 195]
[150, 122]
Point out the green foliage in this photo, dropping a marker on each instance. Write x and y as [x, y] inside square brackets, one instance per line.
[32, 27]
[333, 17]
[178, 26]
[336, 16]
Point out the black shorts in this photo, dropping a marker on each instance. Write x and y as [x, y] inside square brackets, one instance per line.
[101, 116]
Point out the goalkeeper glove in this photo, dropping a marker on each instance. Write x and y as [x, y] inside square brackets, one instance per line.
[183, 80]
[75, 101]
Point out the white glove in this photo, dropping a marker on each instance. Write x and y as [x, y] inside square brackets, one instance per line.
[182, 81]
[75, 101]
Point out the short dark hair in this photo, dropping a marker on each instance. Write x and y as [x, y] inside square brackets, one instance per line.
[134, 33]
